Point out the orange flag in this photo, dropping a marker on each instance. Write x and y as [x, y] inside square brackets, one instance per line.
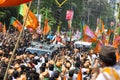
[64, 78]
[32, 21]
[100, 27]
[4, 29]
[16, 24]
[97, 47]
[46, 27]
[79, 77]
[88, 34]
[7, 3]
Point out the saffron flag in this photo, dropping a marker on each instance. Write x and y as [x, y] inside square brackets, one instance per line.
[7, 3]
[88, 34]
[108, 31]
[16, 24]
[64, 78]
[46, 27]
[4, 29]
[32, 21]
[79, 77]
[96, 46]
[100, 27]
[111, 72]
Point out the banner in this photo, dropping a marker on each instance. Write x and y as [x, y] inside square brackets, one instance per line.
[32, 21]
[69, 14]
[14, 22]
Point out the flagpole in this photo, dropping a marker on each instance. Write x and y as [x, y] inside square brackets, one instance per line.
[5, 77]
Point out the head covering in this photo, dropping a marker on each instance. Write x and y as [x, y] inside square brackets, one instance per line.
[107, 55]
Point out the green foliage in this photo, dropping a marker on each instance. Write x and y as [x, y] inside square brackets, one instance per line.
[84, 10]
[50, 17]
[6, 13]
[94, 9]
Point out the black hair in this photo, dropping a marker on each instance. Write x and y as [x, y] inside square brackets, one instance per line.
[69, 63]
[56, 74]
[77, 64]
[23, 67]
[8, 78]
[43, 64]
[51, 78]
[109, 61]
[35, 61]
[35, 54]
[33, 76]
[51, 67]
[3, 64]
[15, 74]
[107, 55]
[42, 69]
[71, 73]
[77, 58]
[46, 60]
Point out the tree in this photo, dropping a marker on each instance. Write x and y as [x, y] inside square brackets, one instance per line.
[6, 13]
[84, 10]
[94, 9]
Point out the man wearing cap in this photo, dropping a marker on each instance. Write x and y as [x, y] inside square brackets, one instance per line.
[107, 63]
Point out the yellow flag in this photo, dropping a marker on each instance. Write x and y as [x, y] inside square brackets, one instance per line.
[32, 21]
[58, 29]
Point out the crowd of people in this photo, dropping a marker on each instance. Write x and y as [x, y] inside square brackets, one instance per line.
[66, 63]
